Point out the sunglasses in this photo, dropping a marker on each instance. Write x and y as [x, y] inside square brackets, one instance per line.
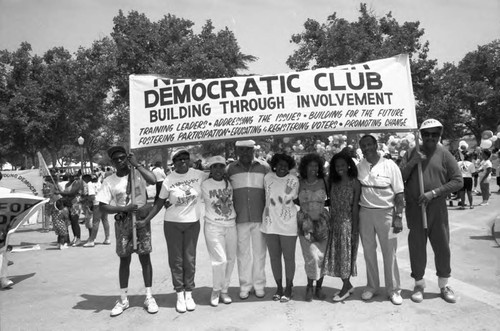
[431, 134]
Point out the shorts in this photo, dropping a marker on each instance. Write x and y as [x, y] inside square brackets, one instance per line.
[467, 184]
[124, 242]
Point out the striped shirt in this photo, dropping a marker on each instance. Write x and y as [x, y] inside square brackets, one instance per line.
[249, 196]
[379, 183]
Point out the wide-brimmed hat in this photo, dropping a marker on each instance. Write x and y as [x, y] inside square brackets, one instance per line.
[217, 159]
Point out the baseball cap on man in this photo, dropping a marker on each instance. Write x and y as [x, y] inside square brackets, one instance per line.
[114, 149]
[217, 159]
[245, 143]
[431, 123]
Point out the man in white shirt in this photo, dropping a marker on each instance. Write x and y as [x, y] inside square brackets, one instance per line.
[160, 177]
[380, 216]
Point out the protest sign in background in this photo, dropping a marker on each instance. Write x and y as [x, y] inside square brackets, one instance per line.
[370, 97]
[23, 181]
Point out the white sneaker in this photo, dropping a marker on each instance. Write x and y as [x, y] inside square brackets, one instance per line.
[190, 304]
[63, 246]
[6, 283]
[214, 298]
[89, 244]
[119, 307]
[396, 298]
[225, 298]
[180, 306]
[76, 242]
[151, 306]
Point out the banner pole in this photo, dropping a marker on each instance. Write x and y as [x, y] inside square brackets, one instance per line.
[420, 180]
[132, 201]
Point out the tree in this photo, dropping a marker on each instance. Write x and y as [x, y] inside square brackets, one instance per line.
[339, 42]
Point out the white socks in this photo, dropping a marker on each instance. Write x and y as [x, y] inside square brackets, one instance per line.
[442, 282]
[149, 293]
[123, 294]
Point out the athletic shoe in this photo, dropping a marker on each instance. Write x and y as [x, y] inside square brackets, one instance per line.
[367, 295]
[180, 306]
[151, 306]
[63, 246]
[260, 293]
[448, 295]
[214, 298]
[106, 242]
[396, 298]
[190, 304]
[244, 295]
[89, 244]
[418, 294]
[6, 283]
[225, 298]
[484, 203]
[338, 298]
[119, 307]
[76, 242]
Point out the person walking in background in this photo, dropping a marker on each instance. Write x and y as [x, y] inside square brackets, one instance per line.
[342, 248]
[247, 178]
[97, 215]
[313, 221]
[467, 168]
[380, 216]
[219, 228]
[182, 188]
[441, 176]
[115, 198]
[279, 222]
[160, 177]
[484, 172]
[476, 159]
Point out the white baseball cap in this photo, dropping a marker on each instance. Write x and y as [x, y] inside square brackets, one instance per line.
[430, 123]
[217, 159]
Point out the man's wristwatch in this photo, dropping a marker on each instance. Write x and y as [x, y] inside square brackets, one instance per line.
[434, 194]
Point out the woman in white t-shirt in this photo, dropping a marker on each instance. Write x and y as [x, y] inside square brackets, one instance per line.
[182, 189]
[485, 176]
[279, 222]
[219, 228]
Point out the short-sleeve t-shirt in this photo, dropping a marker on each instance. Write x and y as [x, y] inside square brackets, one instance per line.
[114, 189]
[280, 213]
[485, 165]
[218, 198]
[184, 193]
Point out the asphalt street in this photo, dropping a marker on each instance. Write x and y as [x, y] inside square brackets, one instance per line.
[75, 289]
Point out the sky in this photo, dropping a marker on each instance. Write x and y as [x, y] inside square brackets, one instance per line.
[262, 28]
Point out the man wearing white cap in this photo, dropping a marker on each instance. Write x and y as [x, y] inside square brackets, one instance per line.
[247, 178]
[441, 176]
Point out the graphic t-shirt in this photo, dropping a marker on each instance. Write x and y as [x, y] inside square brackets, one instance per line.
[184, 193]
[218, 198]
[114, 189]
[280, 213]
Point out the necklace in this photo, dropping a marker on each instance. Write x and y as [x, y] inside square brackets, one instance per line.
[315, 181]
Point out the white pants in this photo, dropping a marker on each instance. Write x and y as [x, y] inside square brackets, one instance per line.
[373, 224]
[221, 245]
[251, 256]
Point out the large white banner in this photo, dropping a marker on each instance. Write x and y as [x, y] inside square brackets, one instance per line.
[368, 97]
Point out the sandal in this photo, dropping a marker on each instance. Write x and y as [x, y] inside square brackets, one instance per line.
[276, 297]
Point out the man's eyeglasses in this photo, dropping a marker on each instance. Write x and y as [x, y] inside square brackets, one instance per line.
[119, 158]
[431, 134]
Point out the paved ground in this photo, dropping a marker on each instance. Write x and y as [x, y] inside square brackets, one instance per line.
[75, 289]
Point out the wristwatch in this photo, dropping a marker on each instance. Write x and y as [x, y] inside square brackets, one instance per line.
[434, 194]
[400, 215]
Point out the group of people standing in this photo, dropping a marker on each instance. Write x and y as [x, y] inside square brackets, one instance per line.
[250, 205]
